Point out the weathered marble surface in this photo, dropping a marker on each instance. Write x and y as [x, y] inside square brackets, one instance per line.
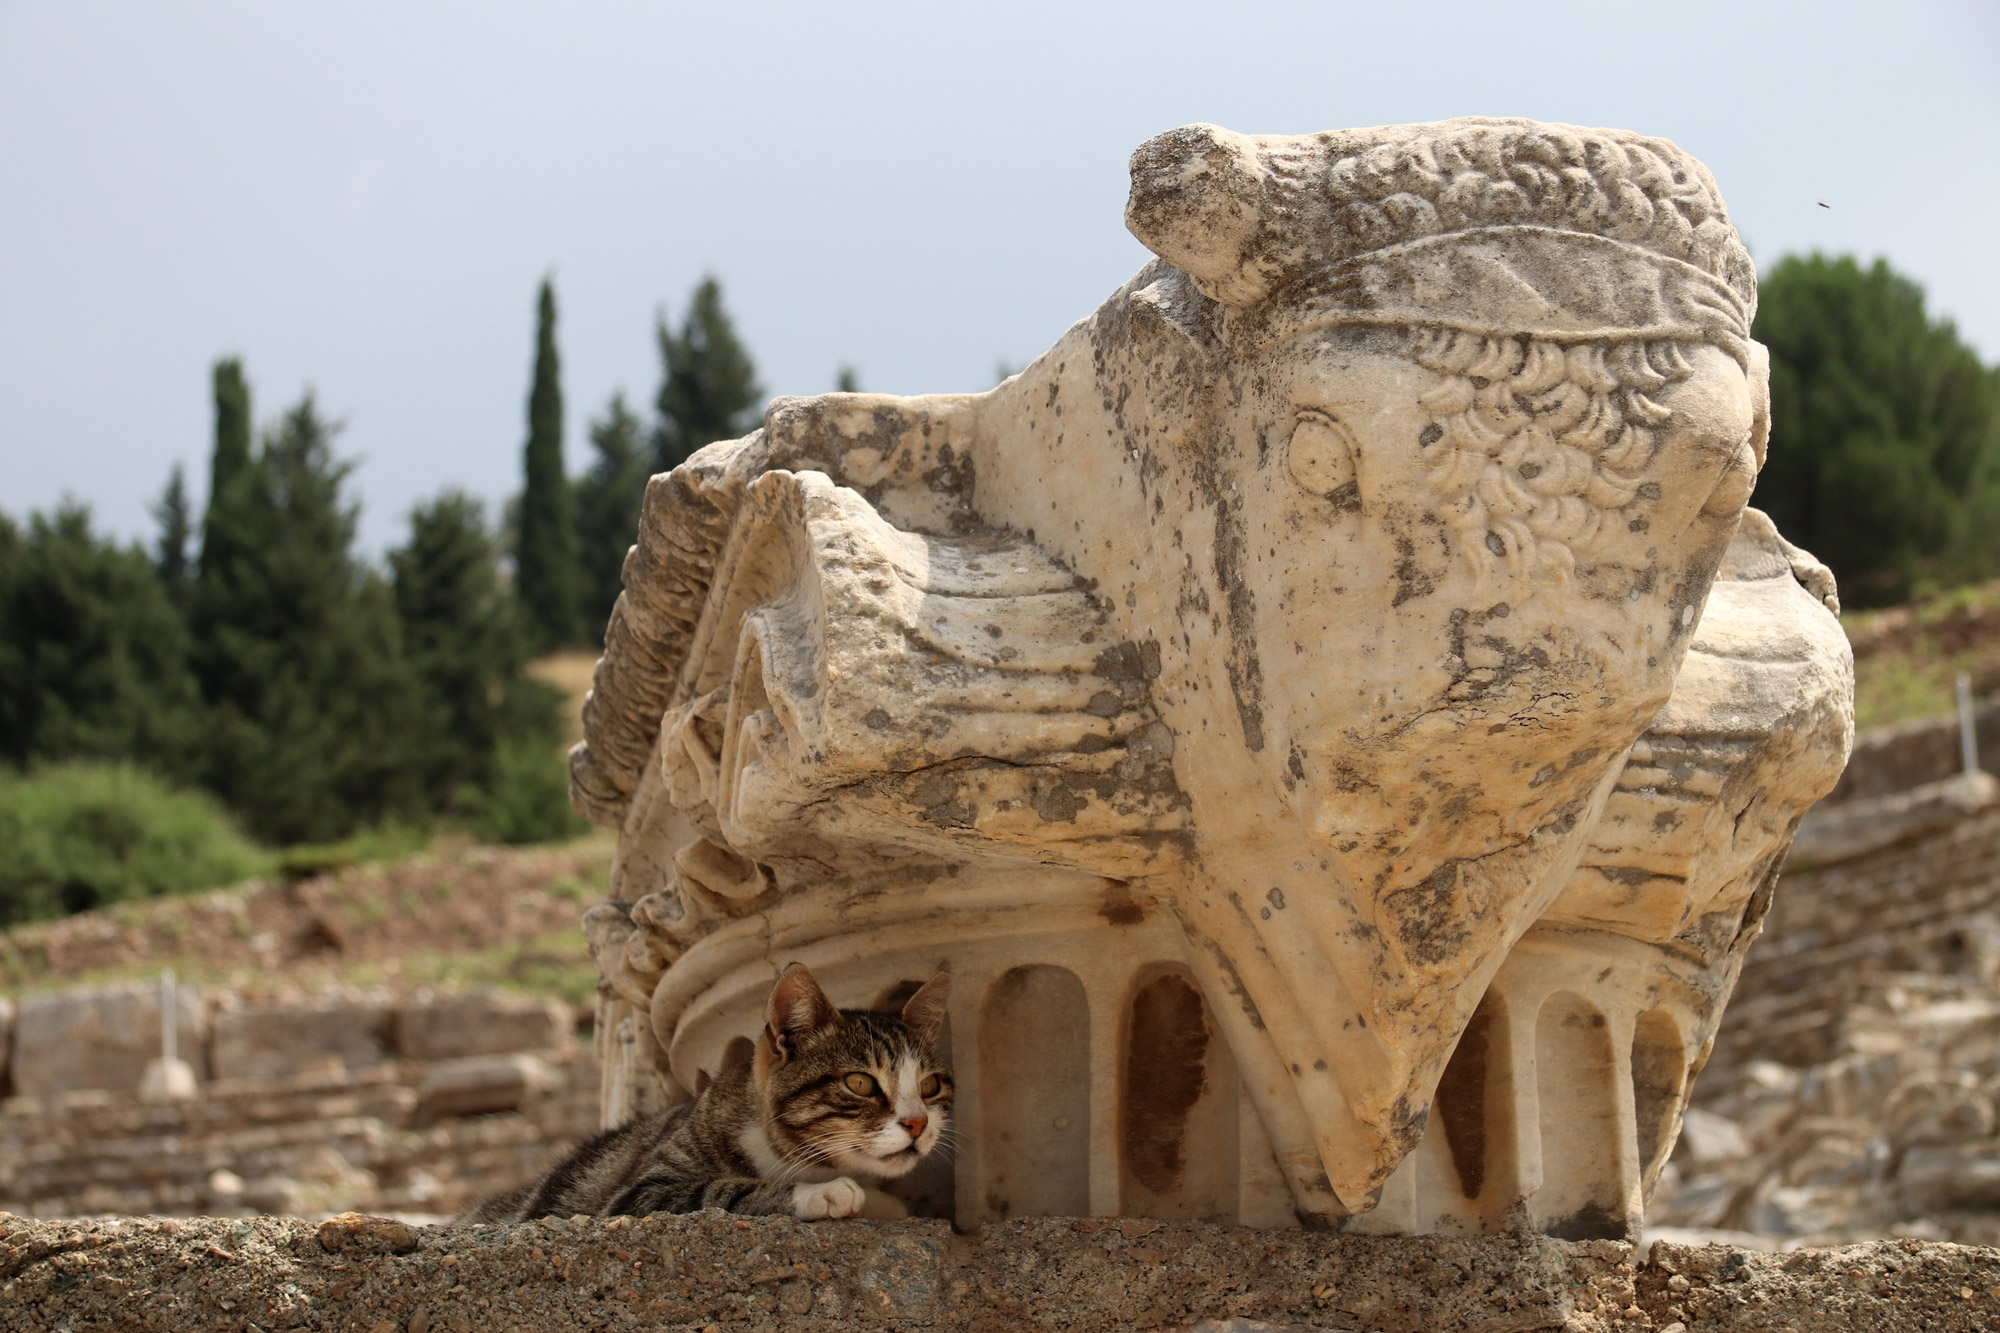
[1332, 712]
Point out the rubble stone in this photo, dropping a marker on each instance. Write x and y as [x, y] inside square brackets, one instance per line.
[366, 1235]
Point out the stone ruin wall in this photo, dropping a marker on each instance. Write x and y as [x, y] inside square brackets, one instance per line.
[1855, 1090]
[1922, 913]
[305, 1103]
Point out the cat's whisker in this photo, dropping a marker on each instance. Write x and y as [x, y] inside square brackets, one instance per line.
[808, 1155]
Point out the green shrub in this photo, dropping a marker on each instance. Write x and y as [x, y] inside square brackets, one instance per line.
[528, 797]
[81, 835]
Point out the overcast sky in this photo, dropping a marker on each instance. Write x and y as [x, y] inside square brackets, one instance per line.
[361, 197]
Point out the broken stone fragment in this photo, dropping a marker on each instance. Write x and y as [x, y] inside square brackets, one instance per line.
[361, 1234]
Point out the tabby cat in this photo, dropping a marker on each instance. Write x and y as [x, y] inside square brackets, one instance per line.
[829, 1093]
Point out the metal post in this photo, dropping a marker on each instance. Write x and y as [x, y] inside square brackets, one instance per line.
[169, 1029]
[1968, 738]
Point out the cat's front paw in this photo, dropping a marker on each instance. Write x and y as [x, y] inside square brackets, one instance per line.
[840, 1197]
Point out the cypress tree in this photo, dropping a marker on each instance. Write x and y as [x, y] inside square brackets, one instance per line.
[608, 500]
[708, 390]
[545, 552]
[229, 463]
[171, 556]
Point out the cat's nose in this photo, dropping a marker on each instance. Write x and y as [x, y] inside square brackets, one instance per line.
[914, 1124]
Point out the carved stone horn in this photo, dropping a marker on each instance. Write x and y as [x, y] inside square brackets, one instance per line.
[1196, 202]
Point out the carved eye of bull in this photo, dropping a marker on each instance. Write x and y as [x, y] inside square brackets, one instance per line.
[1321, 453]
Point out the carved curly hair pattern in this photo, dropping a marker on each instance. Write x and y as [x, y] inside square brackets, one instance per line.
[1537, 447]
[1642, 191]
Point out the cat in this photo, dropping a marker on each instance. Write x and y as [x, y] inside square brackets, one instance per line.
[829, 1094]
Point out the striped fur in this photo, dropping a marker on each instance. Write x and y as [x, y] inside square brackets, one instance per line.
[829, 1094]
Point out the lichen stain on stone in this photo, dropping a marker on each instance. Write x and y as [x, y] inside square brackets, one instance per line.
[1424, 917]
[1232, 980]
[940, 800]
[1060, 800]
[1411, 581]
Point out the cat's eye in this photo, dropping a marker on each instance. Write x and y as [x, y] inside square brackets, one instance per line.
[929, 1087]
[1321, 453]
[861, 1085]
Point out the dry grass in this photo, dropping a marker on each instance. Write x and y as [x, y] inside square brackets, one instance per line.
[570, 673]
[454, 914]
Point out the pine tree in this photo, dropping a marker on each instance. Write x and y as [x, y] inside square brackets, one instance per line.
[465, 641]
[708, 390]
[314, 710]
[171, 557]
[848, 380]
[494, 755]
[545, 569]
[229, 464]
[93, 654]
[608, 500]
[1885, 429]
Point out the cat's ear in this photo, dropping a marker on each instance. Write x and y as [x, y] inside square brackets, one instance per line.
[923, 1012]
[797, 1006]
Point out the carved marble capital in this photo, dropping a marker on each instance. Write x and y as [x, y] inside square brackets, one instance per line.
[1333, 710]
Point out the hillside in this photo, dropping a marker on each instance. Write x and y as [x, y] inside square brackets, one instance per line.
[1906, 658]
[457, 914]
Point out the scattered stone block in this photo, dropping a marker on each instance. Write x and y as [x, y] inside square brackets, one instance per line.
[1962, 1176]
[1835, 833]
[480, 1084]
[100, 1038]
[279, 1040]
[483, 1022]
